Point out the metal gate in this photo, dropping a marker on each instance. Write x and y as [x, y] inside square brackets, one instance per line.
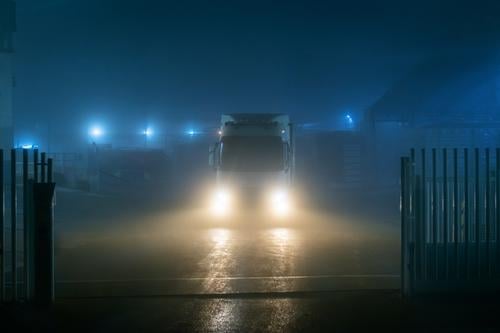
[26, 198]
[450, 214]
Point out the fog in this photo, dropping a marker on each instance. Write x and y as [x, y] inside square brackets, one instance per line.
[127, 98]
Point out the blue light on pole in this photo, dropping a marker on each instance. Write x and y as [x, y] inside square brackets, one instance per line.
[148, 132]
[96, 132]
[349, 121]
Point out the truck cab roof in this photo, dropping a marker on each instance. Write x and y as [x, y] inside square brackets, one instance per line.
[255, 118]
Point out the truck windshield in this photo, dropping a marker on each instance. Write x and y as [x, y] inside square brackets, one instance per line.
[252, 153]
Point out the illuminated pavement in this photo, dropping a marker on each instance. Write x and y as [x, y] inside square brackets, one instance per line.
[154, 270]
[191, 253]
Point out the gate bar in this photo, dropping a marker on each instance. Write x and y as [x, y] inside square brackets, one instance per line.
[424, 269]
[25, 223]
[49, 170]
[487, 208]
[13, 215]
[2, 228]
[477, 208]
[413, 226]
[497, 183]
[445, 210]
[434, 214]
[404, 221]
[466, 211]
[43, 163]
[456, 233]
[35, 165]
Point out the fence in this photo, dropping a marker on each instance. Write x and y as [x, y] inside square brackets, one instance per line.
[26, 198]
[450, 211]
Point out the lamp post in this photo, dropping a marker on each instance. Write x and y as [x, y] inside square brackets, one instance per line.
[148, 132]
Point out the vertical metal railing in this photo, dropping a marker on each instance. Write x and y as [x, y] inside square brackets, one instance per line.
[13, 219]
[16, 237]
[2, 227]
[450, 220]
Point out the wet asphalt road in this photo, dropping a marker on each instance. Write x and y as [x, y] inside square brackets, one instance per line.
[187, 252]
[122, 266]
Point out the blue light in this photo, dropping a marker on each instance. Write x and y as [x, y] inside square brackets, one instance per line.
[148, 132]
[349, 119]
[191, 132]
[96, 132]
[29, 146]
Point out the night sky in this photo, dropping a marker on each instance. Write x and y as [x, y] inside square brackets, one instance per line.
[189, 61]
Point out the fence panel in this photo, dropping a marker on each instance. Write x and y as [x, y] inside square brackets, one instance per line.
[450, 211]
[20, 172]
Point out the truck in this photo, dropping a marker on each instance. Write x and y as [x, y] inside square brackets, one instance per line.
[254, 163]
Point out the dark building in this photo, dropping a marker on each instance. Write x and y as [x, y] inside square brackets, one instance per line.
[446, 102]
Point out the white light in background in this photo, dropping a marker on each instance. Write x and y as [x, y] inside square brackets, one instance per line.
[96, 132]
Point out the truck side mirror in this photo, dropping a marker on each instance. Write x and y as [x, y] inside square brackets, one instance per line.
[213, 151]
[286, 155]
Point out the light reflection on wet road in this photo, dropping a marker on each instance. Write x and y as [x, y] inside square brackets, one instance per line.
[186, 253]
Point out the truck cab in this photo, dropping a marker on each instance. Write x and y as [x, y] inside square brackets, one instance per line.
[253, 161]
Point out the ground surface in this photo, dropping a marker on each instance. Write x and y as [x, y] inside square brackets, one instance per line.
[141, 266]
[352, 311]
[125, 251]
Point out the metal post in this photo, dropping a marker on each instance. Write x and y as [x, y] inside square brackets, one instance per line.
[434, 214]
[487, 208]
[25, 223]
[445, 210]
[43, 164]
[404, 221]
[35, 165]
[477, 209]
[43, 195]
[2, 229]
[31, 240]
[456, 233]
[413, 225]
[49, 170]
[466, 212]
[497, 208]
[417, 237]
[13, 215]
[424, 217]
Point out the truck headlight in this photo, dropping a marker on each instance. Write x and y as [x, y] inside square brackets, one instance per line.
[221, 202]
[280, 202]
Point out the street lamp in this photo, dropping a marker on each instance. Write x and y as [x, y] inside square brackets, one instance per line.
[96, 132]
[148, 132]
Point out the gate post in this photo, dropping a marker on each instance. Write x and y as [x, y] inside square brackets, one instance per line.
[406, 273]
[43, 194]
[2, 229]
